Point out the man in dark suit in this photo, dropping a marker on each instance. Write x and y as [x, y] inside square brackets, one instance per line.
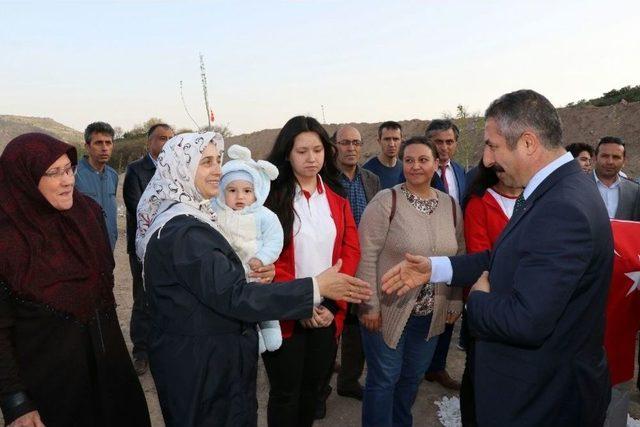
[138, 175]
[450, 178]
[621, 196]
[537, 308]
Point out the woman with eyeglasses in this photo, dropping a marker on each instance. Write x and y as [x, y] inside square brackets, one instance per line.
[63, 360]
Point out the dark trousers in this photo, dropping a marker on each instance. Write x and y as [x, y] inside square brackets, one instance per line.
[140, 320]
[297, 372]
[352, 356]
[439, 361]
[467, 397]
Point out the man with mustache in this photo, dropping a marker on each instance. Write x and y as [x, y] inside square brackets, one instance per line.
[489, 205]
[95, 178]
[537, 308]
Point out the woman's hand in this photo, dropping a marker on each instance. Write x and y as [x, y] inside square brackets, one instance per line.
[414, 271]
[264, 274]
[30, 419]
[338, 286]
[452, 318]
[323, 315]
[373, 322]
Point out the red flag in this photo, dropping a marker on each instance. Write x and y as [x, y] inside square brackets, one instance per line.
[213, 117]
[623, 304]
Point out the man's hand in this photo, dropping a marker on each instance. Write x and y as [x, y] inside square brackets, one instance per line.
[337, 286]
[373, 322]
[414, 271]
[30, 419]
[264, 274]
[482, 284]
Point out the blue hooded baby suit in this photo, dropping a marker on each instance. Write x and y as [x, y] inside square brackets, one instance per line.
[254, 231]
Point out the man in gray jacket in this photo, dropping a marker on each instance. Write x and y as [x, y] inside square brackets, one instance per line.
[95, 178]
[621, 195]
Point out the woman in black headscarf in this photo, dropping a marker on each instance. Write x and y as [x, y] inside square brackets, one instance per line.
[63, 360]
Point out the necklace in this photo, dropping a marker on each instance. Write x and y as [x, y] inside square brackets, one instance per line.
[425, 206]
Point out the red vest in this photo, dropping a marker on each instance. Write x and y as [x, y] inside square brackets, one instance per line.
[345, 247]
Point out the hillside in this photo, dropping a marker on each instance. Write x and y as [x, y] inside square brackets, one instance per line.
[584, 123]
[12, 126]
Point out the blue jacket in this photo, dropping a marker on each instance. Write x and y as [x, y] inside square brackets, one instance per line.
[461, 181]
[539, 356]
[101, 187]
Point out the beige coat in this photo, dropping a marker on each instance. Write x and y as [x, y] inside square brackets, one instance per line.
[384, 244]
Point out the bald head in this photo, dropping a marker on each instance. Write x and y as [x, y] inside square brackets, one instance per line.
[349, 144]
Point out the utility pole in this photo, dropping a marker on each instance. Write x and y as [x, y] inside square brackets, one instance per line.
[203, 76]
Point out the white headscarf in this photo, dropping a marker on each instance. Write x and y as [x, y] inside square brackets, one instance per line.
[172, 190]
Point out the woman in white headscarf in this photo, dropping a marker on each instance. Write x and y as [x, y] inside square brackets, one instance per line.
[203, 344]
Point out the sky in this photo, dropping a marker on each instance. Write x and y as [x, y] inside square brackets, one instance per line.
[267, 61]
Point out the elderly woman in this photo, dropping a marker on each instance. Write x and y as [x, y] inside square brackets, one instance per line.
[63, 360]
[203, 343]
[400, 333]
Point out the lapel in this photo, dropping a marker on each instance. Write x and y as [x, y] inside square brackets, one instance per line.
[369, 183]
[458, 171]
[147, 163]
[625, 200]
[546, 185]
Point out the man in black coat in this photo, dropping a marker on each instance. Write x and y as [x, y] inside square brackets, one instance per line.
[138, 175]
[537, 308]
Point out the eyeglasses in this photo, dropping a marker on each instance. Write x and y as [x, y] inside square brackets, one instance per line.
[60, 172]
[354, 142]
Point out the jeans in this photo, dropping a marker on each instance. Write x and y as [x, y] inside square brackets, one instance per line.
[393, 376]
[439, 361]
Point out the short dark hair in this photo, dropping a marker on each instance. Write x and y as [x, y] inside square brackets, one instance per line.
[439, 125]
[156, 126]
[578, 147]
[390, 124]
[523, 110]
[611, 140]
[418, 140]
[97, 127]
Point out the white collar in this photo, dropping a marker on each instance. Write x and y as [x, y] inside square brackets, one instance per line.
[543, 173]
[614, 185]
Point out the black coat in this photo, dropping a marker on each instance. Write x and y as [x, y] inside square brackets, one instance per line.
[203, 348]
[73, 374]
[539, 357]
[136, 179]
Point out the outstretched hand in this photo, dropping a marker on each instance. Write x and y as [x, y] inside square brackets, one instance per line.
[338, 286]
[414, 271]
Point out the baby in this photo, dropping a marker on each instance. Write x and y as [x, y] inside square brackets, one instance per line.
[253, 231]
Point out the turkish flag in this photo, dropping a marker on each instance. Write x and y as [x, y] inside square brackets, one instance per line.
[623, 304]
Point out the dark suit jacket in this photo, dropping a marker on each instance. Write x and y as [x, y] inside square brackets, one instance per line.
[138, 175]
[540, 359]
[371, 183]
[461, 180]
[629, 200]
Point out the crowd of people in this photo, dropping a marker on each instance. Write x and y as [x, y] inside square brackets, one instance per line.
[307, 251]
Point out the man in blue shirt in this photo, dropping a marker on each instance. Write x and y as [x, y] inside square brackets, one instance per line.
[386, 165]
[360, 186]
[95, 178]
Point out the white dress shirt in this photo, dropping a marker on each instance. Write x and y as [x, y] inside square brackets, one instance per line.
[452, 183]
[314, 232]
[610, 195]
[441, 269]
